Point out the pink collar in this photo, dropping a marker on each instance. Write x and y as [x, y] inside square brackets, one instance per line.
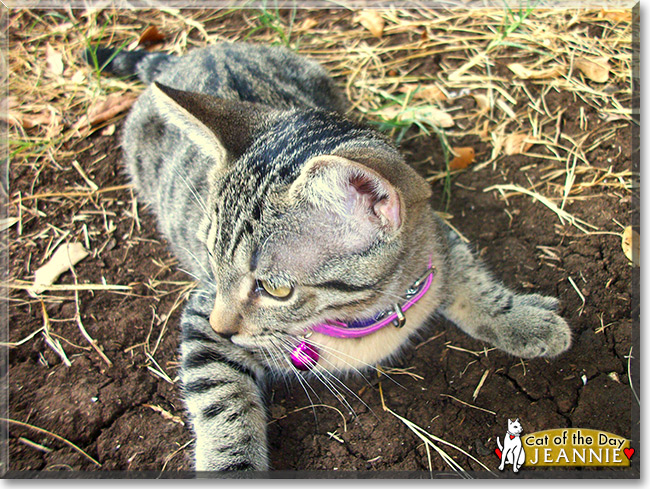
[305, 355]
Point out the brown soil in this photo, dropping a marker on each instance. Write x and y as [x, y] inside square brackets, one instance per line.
[127, 418]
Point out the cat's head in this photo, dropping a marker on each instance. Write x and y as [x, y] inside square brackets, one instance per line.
[314, 219]
[515, 427]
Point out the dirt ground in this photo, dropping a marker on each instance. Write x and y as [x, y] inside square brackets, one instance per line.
[127, 415]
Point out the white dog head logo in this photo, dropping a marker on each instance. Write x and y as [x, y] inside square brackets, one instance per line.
[512, 450]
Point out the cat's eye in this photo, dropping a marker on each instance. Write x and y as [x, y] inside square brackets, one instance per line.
[281, 292]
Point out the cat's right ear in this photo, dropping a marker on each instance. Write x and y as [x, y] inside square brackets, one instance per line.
[221, 128]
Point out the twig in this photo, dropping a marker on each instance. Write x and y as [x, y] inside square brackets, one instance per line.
[469, 405]
[480, 384]
[85, 334]
[58, 437]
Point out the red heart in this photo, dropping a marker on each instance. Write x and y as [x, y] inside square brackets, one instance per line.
[512, 437]
[498, 452]
[628, 452]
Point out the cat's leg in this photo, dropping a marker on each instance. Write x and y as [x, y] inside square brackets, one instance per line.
[525, 325]
[221, 386]
[521, 459]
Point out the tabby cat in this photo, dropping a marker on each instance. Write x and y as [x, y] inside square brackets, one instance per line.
[314, 243]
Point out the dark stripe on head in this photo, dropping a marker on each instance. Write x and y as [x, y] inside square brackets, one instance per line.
[343, 287]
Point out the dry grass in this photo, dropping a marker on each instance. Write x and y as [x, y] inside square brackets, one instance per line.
[390, 81]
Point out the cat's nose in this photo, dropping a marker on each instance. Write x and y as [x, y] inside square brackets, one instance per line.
[224, 321]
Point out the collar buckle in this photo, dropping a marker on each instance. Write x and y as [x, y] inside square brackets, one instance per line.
[415, 288]
[400, 320]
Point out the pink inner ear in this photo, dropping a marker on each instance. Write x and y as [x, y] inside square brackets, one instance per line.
[377, 197]
[389, 208]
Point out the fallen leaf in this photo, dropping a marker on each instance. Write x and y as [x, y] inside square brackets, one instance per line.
[64, 258]
[464, 156]
[103, 110]
[308, 24]
[425, 114]
[54, 60]
[515, 144]
[596, 69]
[150, 36]
[615, 15]
[482, 101]
[631, 244]
[430, 94]
[79, 78]
[371, 20]
[50, 119]
[528, 74]
[109, 130]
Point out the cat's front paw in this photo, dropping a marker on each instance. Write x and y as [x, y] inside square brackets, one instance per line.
[529, 328]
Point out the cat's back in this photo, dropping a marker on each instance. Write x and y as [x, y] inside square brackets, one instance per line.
[269, 75]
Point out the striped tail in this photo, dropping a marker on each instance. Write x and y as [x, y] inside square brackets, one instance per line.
[139, 64]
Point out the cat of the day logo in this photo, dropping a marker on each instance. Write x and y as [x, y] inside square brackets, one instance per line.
[562, 447]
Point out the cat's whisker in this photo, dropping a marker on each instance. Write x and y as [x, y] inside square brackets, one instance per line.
[271, 359]
[301, 381]
[194, 192]
[198, 262]
[328, 384]
[195, 277]
[334, 352]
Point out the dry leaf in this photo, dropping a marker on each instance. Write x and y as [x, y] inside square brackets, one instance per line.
[431, 93]
[151, 36]
[527, 74]
[50, 119]
[63, 259]
[596, 69]
[308, 24]
[113, 105]
[464, 156]
[371, 20]
[106, 109]
[515, 144]
[109, 130]
[79, 78]
[482, 101]
[615, 15]
[631, 244]
[426, 114]
[54, 60]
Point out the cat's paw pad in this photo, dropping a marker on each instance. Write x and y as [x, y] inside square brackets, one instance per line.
[532, 328]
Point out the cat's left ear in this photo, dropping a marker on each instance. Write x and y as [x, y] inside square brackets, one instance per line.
[221, 128]
[350, 189]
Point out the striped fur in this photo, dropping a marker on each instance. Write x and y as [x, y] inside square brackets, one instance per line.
[255, 175]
